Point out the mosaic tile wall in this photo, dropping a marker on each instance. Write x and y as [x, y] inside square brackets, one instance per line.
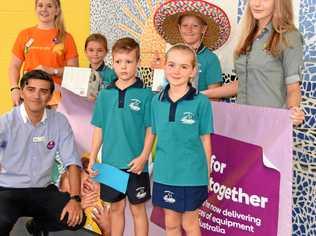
[304, 176]
[132, 18]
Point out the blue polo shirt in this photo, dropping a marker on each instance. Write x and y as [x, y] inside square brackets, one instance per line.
[123, 116]
[28, 152]
[180, 157]
[210, 71]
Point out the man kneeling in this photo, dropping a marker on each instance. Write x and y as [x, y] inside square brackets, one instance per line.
[30, 138]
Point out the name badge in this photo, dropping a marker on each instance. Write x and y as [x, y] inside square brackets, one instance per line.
[39, 139]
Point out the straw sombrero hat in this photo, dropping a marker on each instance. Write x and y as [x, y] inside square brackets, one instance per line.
[166, 21]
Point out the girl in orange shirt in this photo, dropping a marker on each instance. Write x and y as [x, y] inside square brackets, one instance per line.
[46, 46]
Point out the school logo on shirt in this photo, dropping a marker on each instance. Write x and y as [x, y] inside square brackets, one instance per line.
[140, 193]
[188, 118]
[51, 144]
[3, 144]
[134, 104]
[168, 197]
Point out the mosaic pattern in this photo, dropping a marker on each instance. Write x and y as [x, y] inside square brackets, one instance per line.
[120, 18]
[241, 7]
[304, 187]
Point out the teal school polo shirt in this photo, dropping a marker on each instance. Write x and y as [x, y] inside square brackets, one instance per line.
[210, 71]
[180, 157]
[123, 116]
[107, 75]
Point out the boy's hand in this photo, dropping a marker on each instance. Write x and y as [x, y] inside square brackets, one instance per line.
[91, 172]
[136, 166]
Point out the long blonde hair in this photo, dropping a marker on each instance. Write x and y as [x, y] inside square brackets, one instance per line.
[282, 22]
[59, 22]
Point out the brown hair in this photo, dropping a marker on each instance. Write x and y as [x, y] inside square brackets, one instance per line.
[186, 48]
[59, 22]
[126, 44]
[282, 22]
[96, 37]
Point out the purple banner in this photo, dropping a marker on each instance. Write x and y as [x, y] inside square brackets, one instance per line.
[244, 193]
[271, 129]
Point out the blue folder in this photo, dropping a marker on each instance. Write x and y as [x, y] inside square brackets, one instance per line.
[111, 176]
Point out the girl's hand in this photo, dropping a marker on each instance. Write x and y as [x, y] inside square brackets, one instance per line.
[16, 97]
[136, 166]
[91, 98]
[297, 115]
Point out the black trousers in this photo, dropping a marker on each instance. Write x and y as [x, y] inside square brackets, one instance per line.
[44, 204]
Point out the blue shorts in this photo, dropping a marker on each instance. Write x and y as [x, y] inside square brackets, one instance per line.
[138, 190]
[179, 198]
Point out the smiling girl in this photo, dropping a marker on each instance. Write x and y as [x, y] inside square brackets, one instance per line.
[182, 122]
[46, 46]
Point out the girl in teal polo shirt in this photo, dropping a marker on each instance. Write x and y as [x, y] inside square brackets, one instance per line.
[182, 122]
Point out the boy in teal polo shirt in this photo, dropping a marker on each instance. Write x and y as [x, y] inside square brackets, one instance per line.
[122, 125]
[182, 121]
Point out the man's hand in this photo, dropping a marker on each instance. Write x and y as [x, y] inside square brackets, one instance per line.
[136, 166]
[75, 213]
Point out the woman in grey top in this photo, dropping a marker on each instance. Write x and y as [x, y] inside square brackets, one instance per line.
[268, 59]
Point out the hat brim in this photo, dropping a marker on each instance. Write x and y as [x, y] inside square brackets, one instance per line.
[218, 25]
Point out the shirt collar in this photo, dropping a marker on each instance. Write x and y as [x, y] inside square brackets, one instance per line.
[164, 95]
[26, 118]
[267, 29]
[101, 67]
[200, 49]
[138, 84]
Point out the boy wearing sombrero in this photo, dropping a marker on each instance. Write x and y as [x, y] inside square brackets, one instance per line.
[201, 25]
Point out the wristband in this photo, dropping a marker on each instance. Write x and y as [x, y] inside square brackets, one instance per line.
[76, 198]
[13, 88]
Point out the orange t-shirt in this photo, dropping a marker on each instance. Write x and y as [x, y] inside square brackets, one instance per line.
[39, 47]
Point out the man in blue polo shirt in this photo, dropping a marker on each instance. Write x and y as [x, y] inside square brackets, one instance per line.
[30, 137]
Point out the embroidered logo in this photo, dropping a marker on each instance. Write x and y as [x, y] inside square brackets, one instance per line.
[3, 144]
[140, 193]
[188, 118]
[168, 197]
[134, 104]
[50, 144]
